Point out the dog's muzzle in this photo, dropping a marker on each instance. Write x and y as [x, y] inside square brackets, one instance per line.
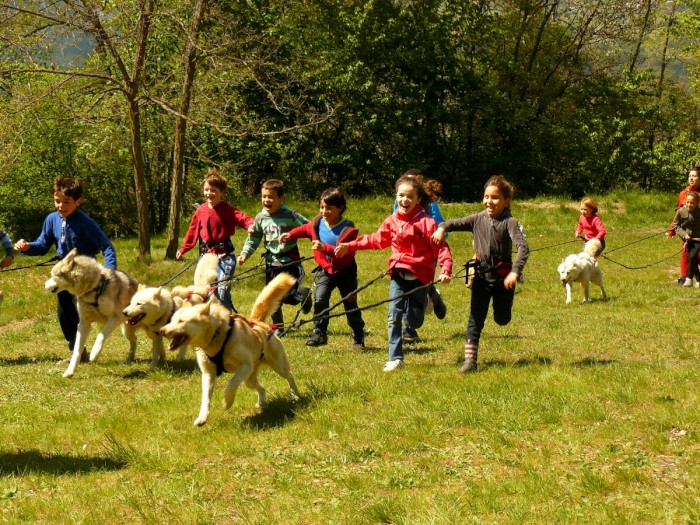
[177, 342]
[132, 321]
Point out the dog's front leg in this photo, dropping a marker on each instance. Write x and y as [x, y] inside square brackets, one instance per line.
[130, 333]
[80, 339]
[586, 291]
[241, 375]
[158, 352]
[110, 325]
[181, 354]
[208, 370]
[568, 293]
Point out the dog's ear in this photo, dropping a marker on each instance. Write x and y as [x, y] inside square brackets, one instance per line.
[157, 292]
[68, 259]
[207, 307]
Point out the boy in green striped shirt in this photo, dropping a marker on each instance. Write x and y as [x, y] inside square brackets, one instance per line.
[274, 220]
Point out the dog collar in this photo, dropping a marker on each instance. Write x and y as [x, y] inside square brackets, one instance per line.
[100, 288]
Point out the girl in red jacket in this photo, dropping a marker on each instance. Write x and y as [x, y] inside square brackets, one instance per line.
[693, 185]
[326, 230]
[411, 263]
[590, 225]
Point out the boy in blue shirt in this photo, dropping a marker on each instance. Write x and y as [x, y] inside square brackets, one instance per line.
[68, 228]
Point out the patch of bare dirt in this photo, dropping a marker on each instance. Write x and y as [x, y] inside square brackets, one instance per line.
[15, 325]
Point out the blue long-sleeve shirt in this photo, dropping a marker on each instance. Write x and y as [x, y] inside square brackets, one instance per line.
[81, 232]
[6, 244]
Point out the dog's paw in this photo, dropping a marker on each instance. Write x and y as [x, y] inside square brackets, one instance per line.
[68, 374]
[200, 421]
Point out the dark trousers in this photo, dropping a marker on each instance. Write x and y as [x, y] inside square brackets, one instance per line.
[346, 282]
[484, 292]
[67, 312]
[293, 297]
[693, 248]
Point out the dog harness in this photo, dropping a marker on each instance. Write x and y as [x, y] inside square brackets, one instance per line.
[218, 358]
[99, 290]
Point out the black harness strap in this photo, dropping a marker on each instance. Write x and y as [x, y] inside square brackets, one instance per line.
[218, 358]
[99, 290]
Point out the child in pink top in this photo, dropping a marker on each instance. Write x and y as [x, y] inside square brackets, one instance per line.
[590, 224]
[412, 261]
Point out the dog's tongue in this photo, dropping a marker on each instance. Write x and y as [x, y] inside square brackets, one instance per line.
[135, 320]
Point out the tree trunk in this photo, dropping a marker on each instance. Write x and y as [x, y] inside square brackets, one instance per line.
[181, 130]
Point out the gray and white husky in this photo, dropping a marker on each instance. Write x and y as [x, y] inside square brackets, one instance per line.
[102, 295]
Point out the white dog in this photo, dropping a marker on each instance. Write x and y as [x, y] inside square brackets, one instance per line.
[233, 343]
[102, 295]
[152, 308]
[582, 268]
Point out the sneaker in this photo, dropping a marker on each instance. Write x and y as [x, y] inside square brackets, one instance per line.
[306, 301]
[470, 365]
[390, 366]
[317, 339]
[688, 283]
[439, 306]
[358, 341]
[681, 281]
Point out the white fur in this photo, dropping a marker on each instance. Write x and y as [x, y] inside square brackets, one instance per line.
[582, 268]
[97, 301]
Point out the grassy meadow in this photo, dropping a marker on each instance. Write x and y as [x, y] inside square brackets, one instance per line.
[586, 413]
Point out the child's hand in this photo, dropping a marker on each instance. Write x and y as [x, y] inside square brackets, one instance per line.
[439, 236]
[317, 245]
[21, 245]
[341, 250]
[285, 237]
[510, 281]
[7, 261]
[241, 259]
[251, 229]
[178, 255]
[444, 278]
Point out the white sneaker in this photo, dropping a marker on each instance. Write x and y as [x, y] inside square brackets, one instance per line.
[697, 284]
[390, 366]
[688, 283]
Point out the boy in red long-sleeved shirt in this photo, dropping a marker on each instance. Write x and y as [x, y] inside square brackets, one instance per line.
[213, 225]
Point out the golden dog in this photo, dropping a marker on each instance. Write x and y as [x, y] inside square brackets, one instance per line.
[233, 343]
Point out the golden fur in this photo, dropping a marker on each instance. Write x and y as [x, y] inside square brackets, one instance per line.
[244, 342]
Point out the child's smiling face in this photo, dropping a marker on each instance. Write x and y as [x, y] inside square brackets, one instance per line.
[271, 201]
[332, 214]
[212, 194]
[406, 198]
[691, 202]
[65, 205]
[494, 202]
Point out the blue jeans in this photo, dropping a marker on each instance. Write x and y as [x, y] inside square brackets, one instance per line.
[225, 270]
[345, 281]
[483, 292]
[412, 305]
[294, 296]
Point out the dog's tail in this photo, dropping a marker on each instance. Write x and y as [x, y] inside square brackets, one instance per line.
[206, 271]
[271, 297]
[592, 247]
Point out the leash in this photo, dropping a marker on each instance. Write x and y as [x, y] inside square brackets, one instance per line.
[638, 240]
[640, 267]
[178, 274]
[36, 265]
[237, 278]
[552, 245]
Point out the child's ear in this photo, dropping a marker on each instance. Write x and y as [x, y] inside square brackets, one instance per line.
[78, 201]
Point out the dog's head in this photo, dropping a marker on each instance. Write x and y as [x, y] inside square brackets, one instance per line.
[195, 325]
[147, 303]
[568, 270]
[62, 274]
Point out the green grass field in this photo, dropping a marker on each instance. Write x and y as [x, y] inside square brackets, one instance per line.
[579, 413]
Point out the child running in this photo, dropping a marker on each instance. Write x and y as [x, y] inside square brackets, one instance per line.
[495, 231]
[326, 230]
[693, 185]
[67, 228]
[213, 225]
[686, 225]
[590, 224]
[274, 220]
[411, 263]
[433, 188]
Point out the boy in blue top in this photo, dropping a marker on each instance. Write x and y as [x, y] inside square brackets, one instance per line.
[274, 220]
[68, 228]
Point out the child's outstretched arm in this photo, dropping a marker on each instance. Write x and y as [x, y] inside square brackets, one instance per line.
[439, 235]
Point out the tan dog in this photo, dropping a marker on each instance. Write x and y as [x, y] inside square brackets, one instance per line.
[204, 275]
[233, 343]
[102, 295]
[150, 310]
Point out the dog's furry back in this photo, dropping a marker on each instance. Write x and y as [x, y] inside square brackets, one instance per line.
[206, 271]
[271, 297]
[592, 247]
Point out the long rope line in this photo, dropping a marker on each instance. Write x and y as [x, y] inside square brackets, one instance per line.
[36, 265]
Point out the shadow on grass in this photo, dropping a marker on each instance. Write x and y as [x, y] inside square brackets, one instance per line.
[33, 461]
[29, 360]
[186, 368]
[592, 361]
[520, 363]
[277, 412]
